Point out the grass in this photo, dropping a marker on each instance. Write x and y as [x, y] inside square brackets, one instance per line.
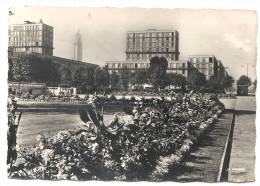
[48, 119]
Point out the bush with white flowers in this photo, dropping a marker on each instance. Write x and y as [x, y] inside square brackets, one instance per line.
[144, 146]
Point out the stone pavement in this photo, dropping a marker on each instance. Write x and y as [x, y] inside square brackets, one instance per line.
[242, 158]
[245, 103]
[204, 161]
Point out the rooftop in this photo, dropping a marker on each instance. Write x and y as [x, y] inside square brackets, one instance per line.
[149, 30]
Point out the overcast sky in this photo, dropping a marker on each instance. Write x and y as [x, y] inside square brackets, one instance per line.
[229, 35]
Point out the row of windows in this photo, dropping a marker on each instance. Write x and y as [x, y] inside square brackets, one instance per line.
[21, 33]
[154, 39]
[177, 65]
[146, 65]
[31, 28]
[148, 56]
[150, 50]
[146, 45]
[28, 49]
[203, 65]
[177, 71]
[30, 43]
[201, 59]
[26, 27]
[128, 65]
[25, 39]
[206, 72]
[151, 34]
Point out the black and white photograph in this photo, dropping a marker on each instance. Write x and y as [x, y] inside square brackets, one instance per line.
[131, 94]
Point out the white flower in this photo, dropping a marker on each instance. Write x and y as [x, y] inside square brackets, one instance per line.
[74, 177]
[39, 137]
[95, 147]
[63, 135]
[47, 155]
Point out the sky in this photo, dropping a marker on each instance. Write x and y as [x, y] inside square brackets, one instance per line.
[230, 35]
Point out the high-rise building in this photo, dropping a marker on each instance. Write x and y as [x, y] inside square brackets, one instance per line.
[143, 45]
[77, 55]
[31, 37]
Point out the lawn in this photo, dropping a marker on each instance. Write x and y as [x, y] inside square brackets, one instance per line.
[48, 119]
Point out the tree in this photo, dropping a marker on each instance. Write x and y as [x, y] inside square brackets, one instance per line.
[196, 80]
[79, 77]
[140, 77]
[157, 72]
[177, 80]
[213, 85]
[255, 83]
[125, 78]
[114, 80]
[101, 78]
[244, 80]
[42, 69]
[65, 75]
[228, 81]
[20, 69]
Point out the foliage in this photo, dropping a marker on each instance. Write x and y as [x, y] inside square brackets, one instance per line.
[19, 69]
[65, 75]
[141, 146]
[177, 80]
[157, 72]
[125, 77]
[114, 80]
[213, 85]
[13, 123]
[196, 80]
[228, 81]
[244, 80]
[101, 77]
[140, 77]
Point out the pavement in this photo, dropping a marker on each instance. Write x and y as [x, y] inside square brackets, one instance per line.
[204, 161]
[242, 157]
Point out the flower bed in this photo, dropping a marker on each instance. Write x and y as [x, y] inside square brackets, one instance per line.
[143, 147]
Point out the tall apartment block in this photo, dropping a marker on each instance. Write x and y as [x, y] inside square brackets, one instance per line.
[31, 37]
[143, 45]
[77, 53]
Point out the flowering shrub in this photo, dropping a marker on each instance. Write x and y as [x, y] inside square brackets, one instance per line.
[142, 147]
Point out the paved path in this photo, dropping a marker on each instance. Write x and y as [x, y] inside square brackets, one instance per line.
[229, 103]
[245, 103]
[203, 163]
[242, 158]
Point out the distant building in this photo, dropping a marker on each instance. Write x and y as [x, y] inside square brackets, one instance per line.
[31, 37]
[143, 45]
[77, 53]
[179, 67]
[206, 64]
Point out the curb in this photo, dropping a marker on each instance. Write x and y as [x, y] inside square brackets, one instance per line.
[224, 163]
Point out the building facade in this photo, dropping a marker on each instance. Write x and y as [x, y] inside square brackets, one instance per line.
[206, 64]
[31, 37]
[77, 53]
[143, 45]
[179, 67]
